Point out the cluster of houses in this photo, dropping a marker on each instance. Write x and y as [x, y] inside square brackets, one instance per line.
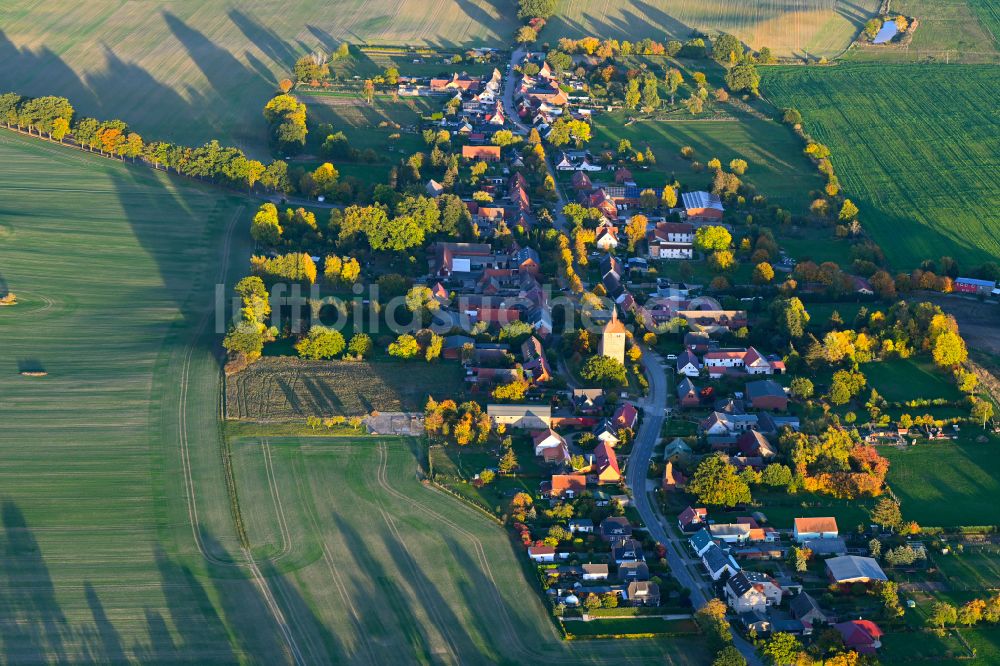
[629, 580]
[757, 597]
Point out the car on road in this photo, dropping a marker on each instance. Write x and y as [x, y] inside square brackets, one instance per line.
[671, 357]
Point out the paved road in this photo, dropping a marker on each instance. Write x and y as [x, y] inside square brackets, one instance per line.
[684, 567]
[508, 105]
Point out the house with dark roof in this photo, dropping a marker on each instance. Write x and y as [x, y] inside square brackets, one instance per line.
[535, 362]
[805, 609]
[629, 571]
[615, 528]
[588, 401]
[754, 444]
[688, 364]
[643, 593]
[700, 542]
[826, 547]
[749, 591]
[718, 562]
[766, 394]
[627, 550]
[688, 396]
[691, 519]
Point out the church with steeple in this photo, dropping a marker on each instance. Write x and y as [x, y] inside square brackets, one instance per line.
[613, 337]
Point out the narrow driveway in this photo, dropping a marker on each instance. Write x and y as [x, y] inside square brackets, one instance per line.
[508, 106]
[683, 566]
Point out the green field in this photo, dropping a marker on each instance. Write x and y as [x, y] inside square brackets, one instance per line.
[103, 556]
[390, 570]
[909, 379]
[949, 31]
[975, 568]
[158, 66]
[917, 148]
[947, 484]
[776, 165]
[807, 27]
[275, 389]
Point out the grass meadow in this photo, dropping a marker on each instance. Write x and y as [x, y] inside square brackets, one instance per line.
[161, 66]
[100, 560]
[391, 570]
[916, 148]
[807, 27]
[777, 166]
[947, 484]
[949, 31]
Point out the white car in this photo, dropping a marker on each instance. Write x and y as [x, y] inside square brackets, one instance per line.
[671, 357]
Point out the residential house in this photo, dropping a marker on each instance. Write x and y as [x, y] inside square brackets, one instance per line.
[766, 394]
[629, 571]
[715, 322]
[661, 248]
[771, 424]
[615, 528]
[547, 439]
[567, 485]
[606, 464]
[758, 533]
[687, 364]
[588, 401]
[673, 479]
[702, 205]
[606, 237]
[595, 571]
[718, 423]
[461, 258]
[484, 153]
[625, 416]
[627, 550]
[700, 542]
[805, 609]
[535, 363]
[863, 636]
[525, 417]
[542, 553]
[750, 591]
[581, 182]
[729, 532]
[607, 433]
[582, 525]
[434, 188]
[454, 347]
[457, 82]
[691, 519]
[725, 358]
[808, 529]
[826, 547]
[698, 341]
[756, 363]
[526, 260]
[753, 443]
[687, 394]
[643, 593]
[676, 450]
[718, 562]
[854, 569]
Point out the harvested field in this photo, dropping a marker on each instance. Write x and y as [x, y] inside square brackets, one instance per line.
[161, 66]
[283, 388]
[917, 148]
[384, 569]
[804, 27]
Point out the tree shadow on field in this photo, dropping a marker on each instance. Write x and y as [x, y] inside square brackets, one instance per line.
[264, 38]
[33, 627]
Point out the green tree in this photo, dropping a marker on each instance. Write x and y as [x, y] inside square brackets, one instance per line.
[528, 9]
[726, 48]
[942, 614]
[776, 475]
[848, 211]
[404, 347]
[525, 35]
[887, 513]
[949, 350]
[790, 316]
[632, 94]
[266, 228]
[763, 273]
[321, 343]
[802, 388]
[743, 77]
[604, 371]
[508, 462]
[782, 649]
[360, 345]
[650, 93]
[729, 656]
[710, 237]
[716, 483]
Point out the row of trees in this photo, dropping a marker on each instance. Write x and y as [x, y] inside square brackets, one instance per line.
[52, 117]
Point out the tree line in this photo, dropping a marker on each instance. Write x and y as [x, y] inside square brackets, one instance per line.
[53, 118]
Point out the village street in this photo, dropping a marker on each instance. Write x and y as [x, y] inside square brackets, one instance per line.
[659, 526]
